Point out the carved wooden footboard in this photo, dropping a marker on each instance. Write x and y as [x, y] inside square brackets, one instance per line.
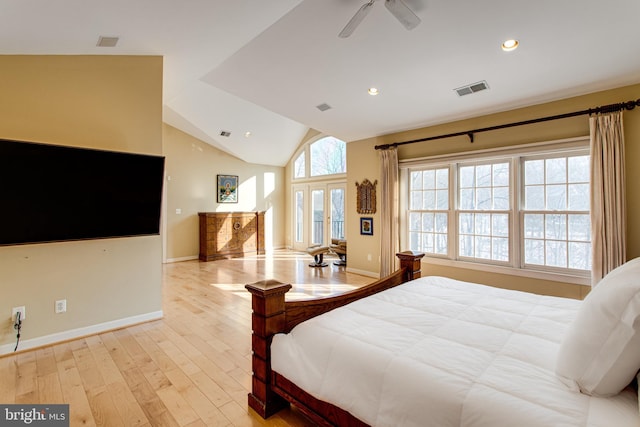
[271, 315]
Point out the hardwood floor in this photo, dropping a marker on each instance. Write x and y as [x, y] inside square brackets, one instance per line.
[191, 368]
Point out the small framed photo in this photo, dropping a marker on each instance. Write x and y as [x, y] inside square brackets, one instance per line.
[366, 226]
[227, 188]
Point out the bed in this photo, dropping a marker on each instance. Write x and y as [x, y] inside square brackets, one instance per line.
[431, 351]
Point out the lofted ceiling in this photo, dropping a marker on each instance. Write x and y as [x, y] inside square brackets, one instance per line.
[264, 66]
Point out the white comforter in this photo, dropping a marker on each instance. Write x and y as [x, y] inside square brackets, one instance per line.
[439, 352]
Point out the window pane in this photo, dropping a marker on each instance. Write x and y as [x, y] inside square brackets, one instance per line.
[441, 244]
[466, 223]
[427, 243]
[466, 245]
[580, 228]
[556, 253]
[441, 223]
[556, 197]
[534, 251]
[483, 247]
[442, 200]
[534, 225]
[442, 178]
[500, 249]
[299, 216]
[416, 200]
[328, 156]
[579, 197]
[427, 222]
[555, 227]
[556, 170]
[534, 172]
[534, 197]
[467, 174]
[483, 224]
[580, 255]
[501, 175]
[298, 166]
[416, 181]
[429, 199]
[579, 169]
[429, 179]
[414, 241]
[414, 221]
[500, 225]
[501, 198]
[483, 198]
[467, 198]
[483, 176]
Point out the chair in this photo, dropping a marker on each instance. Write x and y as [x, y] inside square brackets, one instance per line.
[339, 247]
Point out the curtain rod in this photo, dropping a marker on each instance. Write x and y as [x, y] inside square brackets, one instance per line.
[629, 105]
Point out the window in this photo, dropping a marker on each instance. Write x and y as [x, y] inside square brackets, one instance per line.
[299, 169]
[484, 211]
[318, 192]
[520, 209]
[328, 156]
[428, 218]
[556, 212]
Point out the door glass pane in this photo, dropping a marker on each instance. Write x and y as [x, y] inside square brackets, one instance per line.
[337, 213]
[317, 212]
[299, 216]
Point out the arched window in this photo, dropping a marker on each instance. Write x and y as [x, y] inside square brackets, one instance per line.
[299, 166]
[328, 156]
[319, 189]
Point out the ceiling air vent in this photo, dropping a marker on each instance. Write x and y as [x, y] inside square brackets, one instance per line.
[323, 107]
[107, 41]
[225, 133]
[472, 88]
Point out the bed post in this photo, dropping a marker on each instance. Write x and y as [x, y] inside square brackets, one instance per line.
[267, 319]
[411, 261]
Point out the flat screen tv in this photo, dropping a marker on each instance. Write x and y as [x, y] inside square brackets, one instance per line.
[51, 193]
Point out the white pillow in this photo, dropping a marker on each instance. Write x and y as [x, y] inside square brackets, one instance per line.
[600, 352]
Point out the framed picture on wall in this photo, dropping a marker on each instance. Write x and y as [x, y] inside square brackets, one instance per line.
[366, 226]
[227, 188]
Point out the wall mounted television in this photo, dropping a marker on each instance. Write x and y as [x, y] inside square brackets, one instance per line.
[51, 193]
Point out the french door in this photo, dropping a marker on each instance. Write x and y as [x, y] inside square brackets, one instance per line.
[319, 214]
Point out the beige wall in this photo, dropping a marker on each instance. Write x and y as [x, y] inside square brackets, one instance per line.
[191, 169]
[105, 102]
[362, 162]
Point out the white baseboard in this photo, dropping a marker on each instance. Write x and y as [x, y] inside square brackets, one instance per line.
[184, 258]
[363, 272]
[80, 332]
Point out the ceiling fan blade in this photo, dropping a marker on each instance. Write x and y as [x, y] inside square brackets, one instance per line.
[356, 20]
[402, 13]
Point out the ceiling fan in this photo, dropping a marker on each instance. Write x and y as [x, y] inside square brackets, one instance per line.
[397, 8]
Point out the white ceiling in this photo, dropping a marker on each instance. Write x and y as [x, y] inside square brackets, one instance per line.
[264, 66]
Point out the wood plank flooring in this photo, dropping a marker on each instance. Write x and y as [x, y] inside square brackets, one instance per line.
[191, 368]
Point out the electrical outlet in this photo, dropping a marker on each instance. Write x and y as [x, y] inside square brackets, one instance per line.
[61, 306]
[15, 310]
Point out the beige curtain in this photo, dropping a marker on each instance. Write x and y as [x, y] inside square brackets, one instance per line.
[388, 211]
[608, 209]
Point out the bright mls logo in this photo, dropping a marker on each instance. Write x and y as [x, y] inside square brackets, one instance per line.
[34, 415]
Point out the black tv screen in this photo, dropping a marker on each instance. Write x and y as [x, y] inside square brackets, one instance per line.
[53, 193]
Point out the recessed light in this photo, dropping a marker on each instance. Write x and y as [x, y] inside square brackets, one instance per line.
[247, 134]
[510, 45]
[373, 91]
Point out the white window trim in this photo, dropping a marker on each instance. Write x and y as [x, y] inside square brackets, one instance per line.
[547, 147]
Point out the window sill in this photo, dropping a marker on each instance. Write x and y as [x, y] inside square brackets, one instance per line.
[534, 274]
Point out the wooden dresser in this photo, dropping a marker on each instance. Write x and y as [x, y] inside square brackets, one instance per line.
[230, 234]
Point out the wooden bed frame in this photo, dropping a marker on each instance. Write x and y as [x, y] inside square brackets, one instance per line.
[271, 391]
